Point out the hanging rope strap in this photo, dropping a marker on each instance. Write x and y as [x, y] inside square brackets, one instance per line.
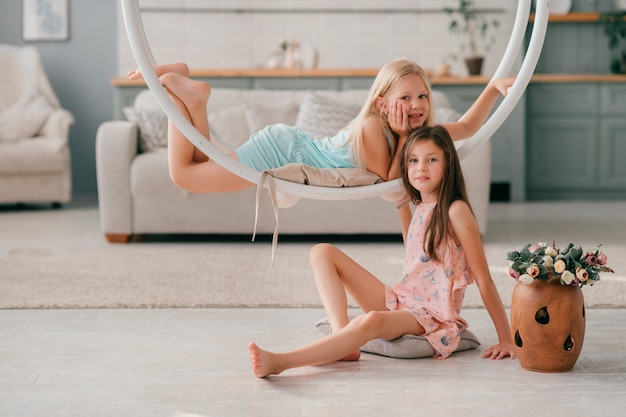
[266, 175]
[309, 176]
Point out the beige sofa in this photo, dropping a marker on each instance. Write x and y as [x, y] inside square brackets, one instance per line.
[35, 164]
[136, 195]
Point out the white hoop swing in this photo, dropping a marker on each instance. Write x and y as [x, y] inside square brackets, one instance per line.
[145, 60]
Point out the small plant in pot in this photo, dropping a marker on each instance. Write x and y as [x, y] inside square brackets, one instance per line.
[615, 31]
[476, 29]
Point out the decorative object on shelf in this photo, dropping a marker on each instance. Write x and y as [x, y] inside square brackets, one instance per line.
[560, 6]
[291, 52]
[443, 67]
[547, 308]
[293, 55]
[470, 22]
[615, 31]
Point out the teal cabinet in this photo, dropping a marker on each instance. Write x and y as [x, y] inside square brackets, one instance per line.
[612, 155]
[508, 165]
[576, 141]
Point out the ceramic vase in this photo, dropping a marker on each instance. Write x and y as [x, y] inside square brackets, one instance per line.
[548, 325]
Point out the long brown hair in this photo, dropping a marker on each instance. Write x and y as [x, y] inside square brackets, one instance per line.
[452, 186]
[389, 76]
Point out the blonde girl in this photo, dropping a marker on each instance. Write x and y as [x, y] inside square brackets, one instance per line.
[444, 254]
[398, 102]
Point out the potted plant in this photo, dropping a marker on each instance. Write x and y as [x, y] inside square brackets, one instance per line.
[615, 31]
[470, 22]
[547, 305]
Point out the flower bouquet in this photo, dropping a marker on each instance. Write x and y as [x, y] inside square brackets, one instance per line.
[571, 266]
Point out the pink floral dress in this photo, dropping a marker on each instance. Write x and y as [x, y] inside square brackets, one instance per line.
[432, 291]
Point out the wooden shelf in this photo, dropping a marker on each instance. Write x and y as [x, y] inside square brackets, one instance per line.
[576, 17]
[371, 73]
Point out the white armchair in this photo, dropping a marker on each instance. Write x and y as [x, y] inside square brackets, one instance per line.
[34, 131]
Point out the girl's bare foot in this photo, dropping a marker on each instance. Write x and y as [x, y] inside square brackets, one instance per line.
[193, 93]
[177, 68]
[262, 361]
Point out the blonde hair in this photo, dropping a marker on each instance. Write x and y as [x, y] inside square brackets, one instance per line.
[389, 76]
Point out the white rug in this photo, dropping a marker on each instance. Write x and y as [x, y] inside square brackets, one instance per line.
[213, 275]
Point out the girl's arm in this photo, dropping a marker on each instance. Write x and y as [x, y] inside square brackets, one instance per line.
[466, 231]
[376, 151]
[405, 214]
[478, 113]
[375, 146]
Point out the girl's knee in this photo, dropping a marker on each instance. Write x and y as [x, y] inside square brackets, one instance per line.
[321, 252]
[370, 323]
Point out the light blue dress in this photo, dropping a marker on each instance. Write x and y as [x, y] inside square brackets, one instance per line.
[279, 144]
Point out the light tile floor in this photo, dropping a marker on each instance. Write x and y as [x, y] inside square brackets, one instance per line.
[181, 362]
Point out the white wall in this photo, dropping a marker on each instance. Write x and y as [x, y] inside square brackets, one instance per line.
[218, 39]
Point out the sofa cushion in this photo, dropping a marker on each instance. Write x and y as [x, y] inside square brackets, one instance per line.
[230, 126]
[151, 121]
[445, 115]
[259, 116]
[322, 116]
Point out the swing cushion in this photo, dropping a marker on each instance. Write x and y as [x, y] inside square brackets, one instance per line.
[325, 177]
[406, 347]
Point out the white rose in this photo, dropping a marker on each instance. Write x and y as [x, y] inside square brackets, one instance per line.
[559, 266]
[526, 279]
[548, 261]
[550, 251]
[567, 277]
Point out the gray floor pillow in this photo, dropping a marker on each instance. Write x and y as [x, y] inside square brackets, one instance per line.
[407, 346]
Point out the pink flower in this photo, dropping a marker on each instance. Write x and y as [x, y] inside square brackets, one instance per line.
[582, 274]
[513, 273]
[591, 259]
[601, 258]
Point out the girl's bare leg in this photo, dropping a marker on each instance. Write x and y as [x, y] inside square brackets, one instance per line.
[378, 324]
[337, 274]
[190, 169]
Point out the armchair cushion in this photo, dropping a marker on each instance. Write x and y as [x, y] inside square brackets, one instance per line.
[24, 118]
[26, 97]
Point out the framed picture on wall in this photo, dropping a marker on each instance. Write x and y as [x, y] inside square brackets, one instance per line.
[45, 20]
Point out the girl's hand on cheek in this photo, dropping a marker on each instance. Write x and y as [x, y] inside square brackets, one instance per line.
[398, 119]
